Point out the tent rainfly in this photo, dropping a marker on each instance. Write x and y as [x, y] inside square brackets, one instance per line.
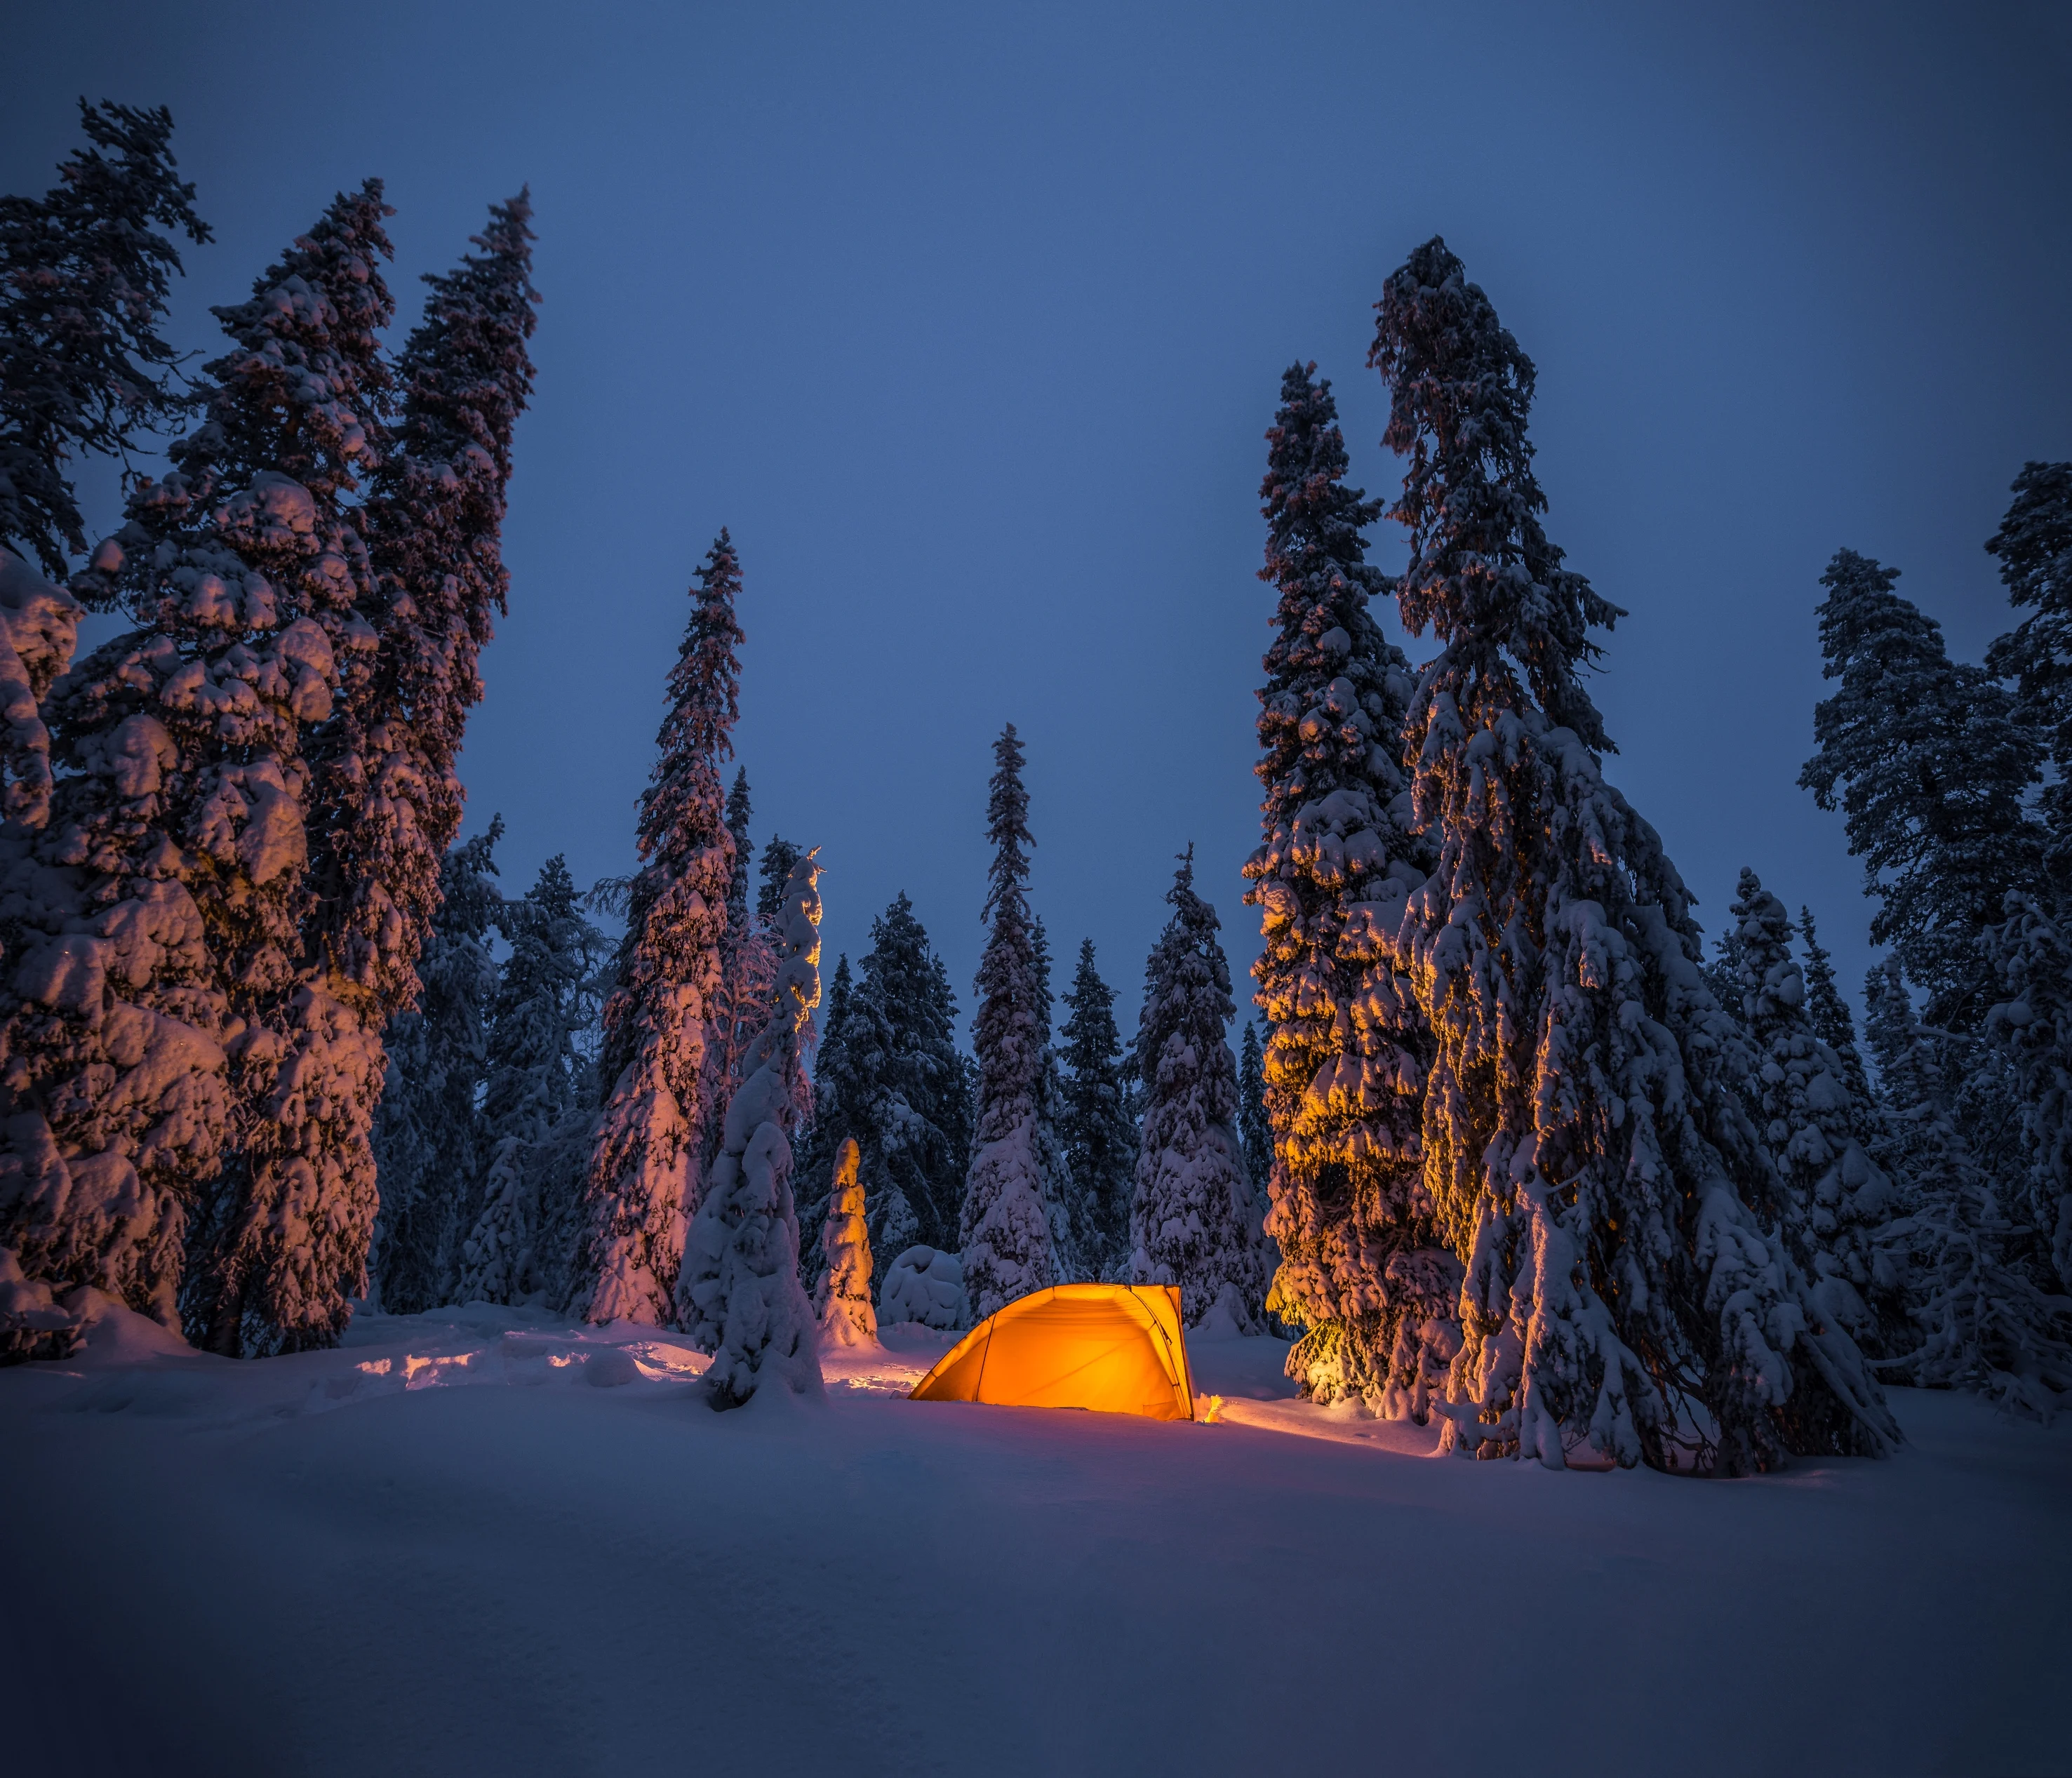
[1117, 1348]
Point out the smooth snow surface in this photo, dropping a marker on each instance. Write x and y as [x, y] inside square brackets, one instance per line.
[484, 1540]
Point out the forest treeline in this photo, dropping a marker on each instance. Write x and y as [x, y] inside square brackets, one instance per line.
[1506, 1150]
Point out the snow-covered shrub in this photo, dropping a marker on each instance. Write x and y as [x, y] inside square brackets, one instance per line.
[926, 1284]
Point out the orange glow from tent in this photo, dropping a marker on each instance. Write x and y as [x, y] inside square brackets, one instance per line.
[1116, 1348]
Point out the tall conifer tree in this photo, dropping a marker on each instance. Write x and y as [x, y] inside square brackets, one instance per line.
[301, 410]
[1252, 1124]
[1361, 1268]
[1005, 1224]
[1583, 1139]
[170, 892]
[642, 1183]
[385, 794]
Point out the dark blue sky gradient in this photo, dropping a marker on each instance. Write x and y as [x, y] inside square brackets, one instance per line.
[967, 321]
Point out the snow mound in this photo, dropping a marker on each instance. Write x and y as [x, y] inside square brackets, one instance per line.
[926, 1284]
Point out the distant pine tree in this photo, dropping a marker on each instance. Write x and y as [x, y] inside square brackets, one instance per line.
[1252, 1127]
[532, 1082]
[1361, 1268]
[1192, 1219]
[85, 279]
[891, 1077]
[738, 812]
[739, 1295]
[1584, 1140]
[1835, 1202]
[779, 857]
[1832, 1021]
[1004, 1226]
[1099, 1133]
[642, 1181]
[1929, 761]
[428, 1138]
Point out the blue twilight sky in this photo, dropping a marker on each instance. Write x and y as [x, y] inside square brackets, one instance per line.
[967, 320]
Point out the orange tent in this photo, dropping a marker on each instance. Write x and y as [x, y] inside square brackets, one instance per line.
[1117, 1348]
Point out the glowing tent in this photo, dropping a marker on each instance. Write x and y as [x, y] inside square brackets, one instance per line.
[1117, 1348]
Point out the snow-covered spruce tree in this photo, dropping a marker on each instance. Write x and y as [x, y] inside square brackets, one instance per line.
[1982, 1321]
[1192, 1221]
[1253, 1129]
[1361, 1269]
[85, 278]
[1098, 1133]
[1833, 1023]
[1584, 1143]
[2033, 1029]
[642, 1181]
[1930, 763]
[165, 897]
[2034, 545]
[428, 1148]
[891, 1076]
[535, 1071]
[1004, 1224]
[842, 1303]
[1836, 1201]
[739, 1295]
[284, 1242]
[385, 797]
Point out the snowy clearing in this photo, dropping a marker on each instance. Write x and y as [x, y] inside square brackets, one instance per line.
[481, 1541]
